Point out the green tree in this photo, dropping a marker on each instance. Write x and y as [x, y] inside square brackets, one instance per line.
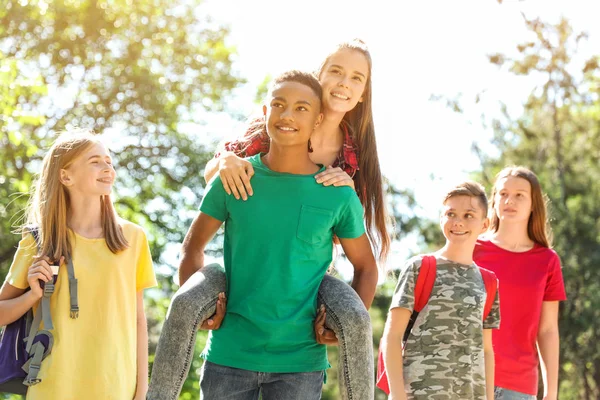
[139, 69]
[16, 148]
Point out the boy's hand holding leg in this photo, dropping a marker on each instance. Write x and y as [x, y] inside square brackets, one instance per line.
[215, 321]
[323, 334]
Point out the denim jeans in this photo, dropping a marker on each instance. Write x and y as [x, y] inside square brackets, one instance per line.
[219, 382]
[196, 300]
[506, 394]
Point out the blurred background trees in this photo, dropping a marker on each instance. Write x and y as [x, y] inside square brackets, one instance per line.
[145, 73]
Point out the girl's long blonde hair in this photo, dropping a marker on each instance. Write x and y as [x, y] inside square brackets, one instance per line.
[538, 228]
[49, 204]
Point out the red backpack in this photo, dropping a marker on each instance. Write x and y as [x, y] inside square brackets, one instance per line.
[423, 287]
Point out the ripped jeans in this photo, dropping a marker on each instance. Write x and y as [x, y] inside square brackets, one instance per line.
[196, 300]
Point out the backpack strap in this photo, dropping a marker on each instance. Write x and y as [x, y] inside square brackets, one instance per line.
[491, 287]
[43, 311]
[34, 230]
[425, 281]
[72, 289]
[38, 351]
[423, 287]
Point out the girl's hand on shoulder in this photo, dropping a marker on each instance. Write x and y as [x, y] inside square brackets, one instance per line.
[334, 176]
[235, 173]
[40, 270]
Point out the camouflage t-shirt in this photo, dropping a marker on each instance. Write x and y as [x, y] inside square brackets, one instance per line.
[443, 357]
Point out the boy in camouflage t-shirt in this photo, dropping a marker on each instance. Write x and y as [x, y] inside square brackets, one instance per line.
[448, 354]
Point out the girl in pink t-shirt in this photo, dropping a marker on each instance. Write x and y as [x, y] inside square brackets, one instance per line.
[517, 249]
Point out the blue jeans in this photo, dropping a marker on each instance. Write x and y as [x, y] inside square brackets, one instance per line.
[506, 394]
[196, 300]
[219, 382]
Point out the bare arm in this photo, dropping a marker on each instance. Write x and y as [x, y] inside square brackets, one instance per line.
[15, 302]
[203, 228]
[548, 347]
[211, 168]
[142, 349]
[359, 253]
[391, 346]
[488, 355]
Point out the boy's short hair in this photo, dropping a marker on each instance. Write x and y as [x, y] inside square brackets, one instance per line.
[470, 189]
[302, 77]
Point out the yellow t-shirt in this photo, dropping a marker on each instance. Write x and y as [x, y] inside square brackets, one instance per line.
[94, 356]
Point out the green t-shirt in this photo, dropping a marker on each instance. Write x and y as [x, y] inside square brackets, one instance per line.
[277, 248]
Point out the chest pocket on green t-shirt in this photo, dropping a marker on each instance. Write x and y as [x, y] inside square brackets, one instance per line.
[314, 224]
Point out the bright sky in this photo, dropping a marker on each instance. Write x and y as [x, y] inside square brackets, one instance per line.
[418, 49]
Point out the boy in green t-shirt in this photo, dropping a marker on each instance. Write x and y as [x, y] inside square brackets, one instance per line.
[277, 248]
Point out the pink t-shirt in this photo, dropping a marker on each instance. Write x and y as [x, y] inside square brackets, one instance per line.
[526, 280]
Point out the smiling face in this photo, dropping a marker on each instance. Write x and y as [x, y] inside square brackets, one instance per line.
[512, 199]
[293, 112]
[344, 78]
[91, 173]
[463, 219]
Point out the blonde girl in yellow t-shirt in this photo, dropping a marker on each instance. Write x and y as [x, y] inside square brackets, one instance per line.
[101, 344]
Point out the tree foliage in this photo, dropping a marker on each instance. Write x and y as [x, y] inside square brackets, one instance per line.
[135, 70]
[558, 137]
